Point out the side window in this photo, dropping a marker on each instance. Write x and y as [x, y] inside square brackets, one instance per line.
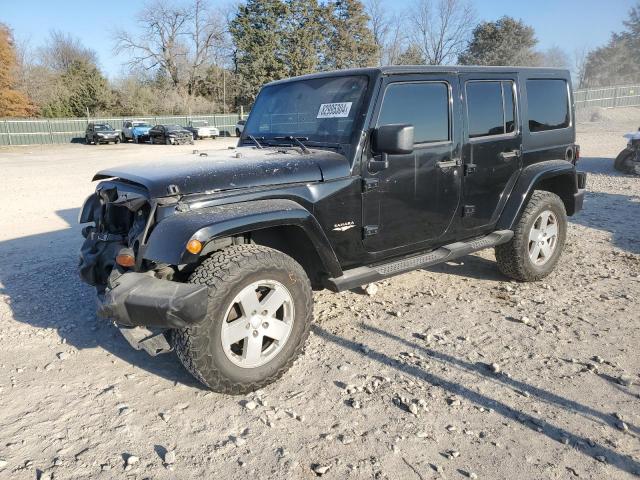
[490, 108]
[423, 105]
[547, 104]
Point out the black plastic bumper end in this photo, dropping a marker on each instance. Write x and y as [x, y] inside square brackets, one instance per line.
[137, 299]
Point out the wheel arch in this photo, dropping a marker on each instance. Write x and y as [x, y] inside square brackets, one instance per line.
[281, 224]
[555, 176]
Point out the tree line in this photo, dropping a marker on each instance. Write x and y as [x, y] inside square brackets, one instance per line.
[194, 57]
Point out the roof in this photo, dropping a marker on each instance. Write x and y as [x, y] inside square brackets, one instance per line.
[425, 69]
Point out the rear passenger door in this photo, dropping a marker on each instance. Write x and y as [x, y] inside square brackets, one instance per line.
[493, 145]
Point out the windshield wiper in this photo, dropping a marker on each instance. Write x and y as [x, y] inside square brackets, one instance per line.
[254, 140]
[297, 141]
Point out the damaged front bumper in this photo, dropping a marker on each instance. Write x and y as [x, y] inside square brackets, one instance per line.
[138, 299]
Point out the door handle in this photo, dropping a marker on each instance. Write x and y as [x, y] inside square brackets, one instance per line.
[509, 155]
[448, 163]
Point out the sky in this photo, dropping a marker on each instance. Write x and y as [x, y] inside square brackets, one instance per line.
[569, 24]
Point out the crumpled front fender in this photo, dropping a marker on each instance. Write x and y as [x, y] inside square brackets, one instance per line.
[167, 243]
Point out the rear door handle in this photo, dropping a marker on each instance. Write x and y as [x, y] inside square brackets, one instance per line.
[509, 155]
[448, 163]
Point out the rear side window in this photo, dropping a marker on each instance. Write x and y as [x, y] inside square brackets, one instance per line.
[423, 105]
[548, 104]
[490, 108]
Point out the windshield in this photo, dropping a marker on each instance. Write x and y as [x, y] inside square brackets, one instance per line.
[102, 127]
[141, 125]
[320, 109]
[172, 128]
[199, 124]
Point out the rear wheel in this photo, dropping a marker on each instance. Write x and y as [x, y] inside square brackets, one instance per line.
[538, 239]
[259, 315]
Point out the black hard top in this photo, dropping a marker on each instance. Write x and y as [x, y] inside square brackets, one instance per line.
[426, 69]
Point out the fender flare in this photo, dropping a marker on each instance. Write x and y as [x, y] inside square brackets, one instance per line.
[168, 240]
[530, 177]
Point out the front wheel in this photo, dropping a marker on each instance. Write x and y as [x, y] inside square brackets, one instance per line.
[259, 315]
[538, 239]
[167, 140]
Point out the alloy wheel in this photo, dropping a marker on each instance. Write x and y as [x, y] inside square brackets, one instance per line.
[543, 238]
[257, 324]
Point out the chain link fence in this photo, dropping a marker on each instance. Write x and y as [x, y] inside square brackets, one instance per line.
[608, 97]
[72, 130]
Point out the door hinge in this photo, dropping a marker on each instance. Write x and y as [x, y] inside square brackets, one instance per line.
[469, 211]
[369, 184]
[370, 230]
[469, 168]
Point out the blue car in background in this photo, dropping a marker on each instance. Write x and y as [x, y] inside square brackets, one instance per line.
[136, 130]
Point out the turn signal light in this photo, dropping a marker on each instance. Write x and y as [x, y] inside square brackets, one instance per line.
[194, 246]
[125, 260]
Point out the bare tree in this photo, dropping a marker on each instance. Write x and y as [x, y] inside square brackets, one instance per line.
[396, 40]
[178, 40]
[441, 29]
[63, 50]
[555, 57]
[379, 23]
[580, 56]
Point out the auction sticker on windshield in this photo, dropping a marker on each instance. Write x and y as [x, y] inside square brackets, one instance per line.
[334, 110]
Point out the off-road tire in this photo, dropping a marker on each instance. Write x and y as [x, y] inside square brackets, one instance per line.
[226, 273]
[513, 257]
[620, 163]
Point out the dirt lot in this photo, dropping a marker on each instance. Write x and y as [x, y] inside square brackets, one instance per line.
[561, 401]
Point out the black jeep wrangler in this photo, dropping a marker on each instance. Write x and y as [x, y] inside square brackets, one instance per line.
[339, 179]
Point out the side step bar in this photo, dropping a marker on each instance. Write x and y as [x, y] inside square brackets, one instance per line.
[361, 275]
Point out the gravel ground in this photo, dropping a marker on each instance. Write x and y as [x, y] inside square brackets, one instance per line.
[452, 372]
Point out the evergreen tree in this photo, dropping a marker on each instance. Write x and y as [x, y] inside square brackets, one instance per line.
[506, 41]
[12, 102]
[412, 55]
[303, 36]
[259, 45]
[350, 41]
[617, 62]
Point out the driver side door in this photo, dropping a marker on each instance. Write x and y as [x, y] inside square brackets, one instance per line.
[412, 201]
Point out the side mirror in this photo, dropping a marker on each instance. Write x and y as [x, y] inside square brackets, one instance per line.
[393, 139]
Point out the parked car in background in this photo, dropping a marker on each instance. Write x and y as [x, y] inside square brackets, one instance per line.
[201, 129]
[240, 127]
[170, 135]
[136, 130]
[98, 133]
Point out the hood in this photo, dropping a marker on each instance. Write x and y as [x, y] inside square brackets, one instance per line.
[223, 170]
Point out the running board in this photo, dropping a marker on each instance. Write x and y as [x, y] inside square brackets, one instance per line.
[361, 275]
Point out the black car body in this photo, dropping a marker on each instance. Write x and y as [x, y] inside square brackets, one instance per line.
[357, 175]
[170, 135]
[98, 133]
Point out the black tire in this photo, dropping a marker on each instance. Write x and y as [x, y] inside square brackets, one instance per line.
[167, 141]
[117, 140]
[513, 257]
[227, 272]
[123, 138]
[238, 132]
[87, 140]
[623, 159]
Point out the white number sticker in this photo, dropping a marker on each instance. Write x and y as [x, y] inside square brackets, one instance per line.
[334, 110]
